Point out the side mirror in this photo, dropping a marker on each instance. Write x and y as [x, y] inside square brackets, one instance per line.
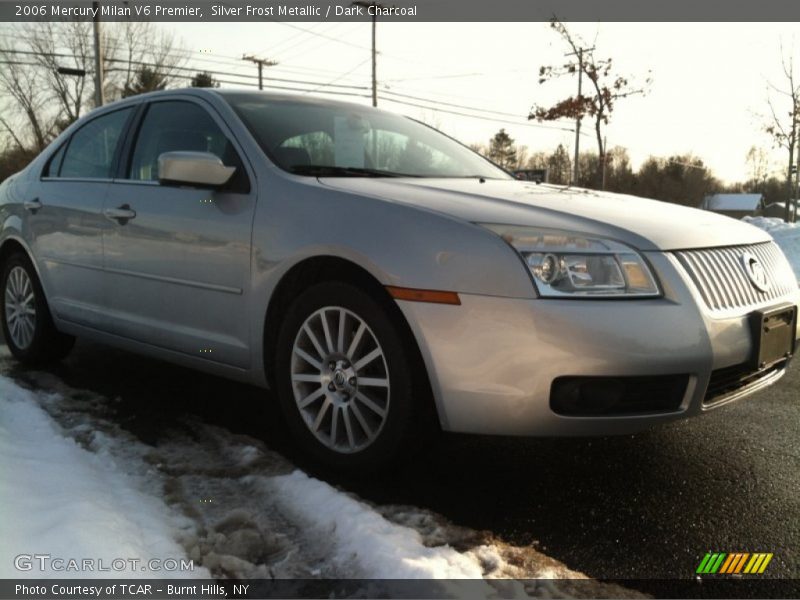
[193, 168]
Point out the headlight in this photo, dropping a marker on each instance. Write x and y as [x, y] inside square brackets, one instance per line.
[567, 264]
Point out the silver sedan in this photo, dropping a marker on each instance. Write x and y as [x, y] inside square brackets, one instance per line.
[383, 279]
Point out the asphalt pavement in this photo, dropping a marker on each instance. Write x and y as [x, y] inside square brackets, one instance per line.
[643, 506]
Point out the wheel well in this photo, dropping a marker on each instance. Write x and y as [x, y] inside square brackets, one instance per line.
[329, 268]
[8, 248]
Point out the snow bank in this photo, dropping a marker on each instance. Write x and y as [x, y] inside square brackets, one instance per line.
[786, 235]
[227, 502]
[61, 500]
[366, 540]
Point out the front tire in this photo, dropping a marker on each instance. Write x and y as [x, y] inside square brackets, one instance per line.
[346, 378]
[28, 328]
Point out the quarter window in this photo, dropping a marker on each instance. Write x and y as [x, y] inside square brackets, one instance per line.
[54, 164]
[91, 149]
[181, 126]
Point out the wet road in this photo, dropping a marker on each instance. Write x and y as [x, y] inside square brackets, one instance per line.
[644, 506]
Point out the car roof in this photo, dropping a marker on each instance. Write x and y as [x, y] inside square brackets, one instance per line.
[237, 93]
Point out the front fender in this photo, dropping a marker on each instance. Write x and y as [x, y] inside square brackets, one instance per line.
[399, 244]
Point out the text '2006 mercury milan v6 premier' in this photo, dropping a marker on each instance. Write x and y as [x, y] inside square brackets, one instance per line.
[381, 277]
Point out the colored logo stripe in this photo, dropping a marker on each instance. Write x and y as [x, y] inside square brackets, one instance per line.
[711, 562]
[736, 562]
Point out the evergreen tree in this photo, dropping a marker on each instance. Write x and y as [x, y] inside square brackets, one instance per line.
[146, 80]
[204, 80]
[502, 150]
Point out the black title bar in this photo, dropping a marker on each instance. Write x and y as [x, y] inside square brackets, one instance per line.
[406, 11]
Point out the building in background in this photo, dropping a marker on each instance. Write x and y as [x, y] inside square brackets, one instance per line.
[734, 205]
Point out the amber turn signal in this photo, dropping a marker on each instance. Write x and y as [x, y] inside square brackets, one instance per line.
[415, 295]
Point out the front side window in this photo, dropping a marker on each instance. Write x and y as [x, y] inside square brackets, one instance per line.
[331, 139]
[90, 153]
[174, 126]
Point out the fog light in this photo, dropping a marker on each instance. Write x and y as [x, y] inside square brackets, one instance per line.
[617, 396]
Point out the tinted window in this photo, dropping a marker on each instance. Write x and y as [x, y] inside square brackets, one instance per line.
[91, 149]
[54, 164]
[175, 126]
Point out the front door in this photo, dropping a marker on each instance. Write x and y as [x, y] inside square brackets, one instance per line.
[177, 258]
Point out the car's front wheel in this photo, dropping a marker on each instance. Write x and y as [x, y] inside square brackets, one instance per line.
[28, 329]
[346, 378]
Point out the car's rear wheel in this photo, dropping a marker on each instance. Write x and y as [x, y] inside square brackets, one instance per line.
[346, 378]
[28, 328]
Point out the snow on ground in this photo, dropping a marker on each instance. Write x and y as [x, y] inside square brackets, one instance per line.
[76, 484]
[60, 499]
[786, 235]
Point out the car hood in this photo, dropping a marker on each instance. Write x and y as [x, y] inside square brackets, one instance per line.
[645, 224]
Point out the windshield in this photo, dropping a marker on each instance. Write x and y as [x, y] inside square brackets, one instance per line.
[342, 140]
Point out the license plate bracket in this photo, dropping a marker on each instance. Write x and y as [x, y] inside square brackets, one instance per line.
[773, 335]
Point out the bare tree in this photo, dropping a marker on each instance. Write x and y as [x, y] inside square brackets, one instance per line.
[40, 97]
[132, 47]
[605, 90]
[55, 46]
[24, 103]
[759, 166]
[783, 124]
[45, 79]
[480, 148]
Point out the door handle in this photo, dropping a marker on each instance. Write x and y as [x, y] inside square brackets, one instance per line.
[122, 214]
[32, 205]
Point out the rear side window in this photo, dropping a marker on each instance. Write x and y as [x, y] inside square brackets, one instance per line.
[181, 126]
[90, 153]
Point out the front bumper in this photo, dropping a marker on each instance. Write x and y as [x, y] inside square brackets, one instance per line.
[492, 361]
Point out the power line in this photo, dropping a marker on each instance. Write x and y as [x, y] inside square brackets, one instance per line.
[442, 102]
[190, 69]
[342, 76]
[322, 35]
[273, 87]
[305, 38]
[277, 83]
[479, 117]
[235, 62]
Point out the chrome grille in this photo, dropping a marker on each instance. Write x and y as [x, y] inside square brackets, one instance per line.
[720, 276]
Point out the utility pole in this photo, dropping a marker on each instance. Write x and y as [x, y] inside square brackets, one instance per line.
[261, 62]
[797, 189]
[374, 52]
[99, 96]
[575, 167]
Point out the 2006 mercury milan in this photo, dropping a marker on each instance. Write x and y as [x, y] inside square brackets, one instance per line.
[380, 276]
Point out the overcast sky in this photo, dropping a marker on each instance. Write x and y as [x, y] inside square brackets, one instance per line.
[708, 94]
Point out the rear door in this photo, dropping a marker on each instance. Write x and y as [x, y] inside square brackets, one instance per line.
[65, 219]
[178, 267]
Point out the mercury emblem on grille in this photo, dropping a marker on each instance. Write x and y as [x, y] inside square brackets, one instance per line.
[755, 272]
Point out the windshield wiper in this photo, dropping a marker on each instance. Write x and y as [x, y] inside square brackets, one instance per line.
[334, 171]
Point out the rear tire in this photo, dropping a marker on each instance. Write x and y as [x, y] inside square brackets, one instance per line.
[28, 327]
[346, 379]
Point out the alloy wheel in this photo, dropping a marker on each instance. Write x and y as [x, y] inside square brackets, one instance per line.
[20, 308]
[340, 379]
